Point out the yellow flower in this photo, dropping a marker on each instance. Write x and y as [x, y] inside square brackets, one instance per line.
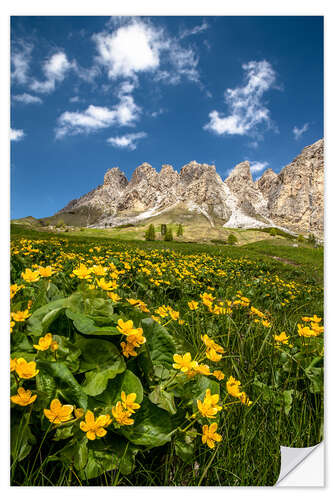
[122, 415]
[174, 314]
[125, 327]
[202, 369]
[218, 374]
[113, 296]
[94, 427]
[14, 289]
[210, 344]
[210, 436]
[233, 387]
[317, 328]
[136, 338]
[105, 285]
[25, 369]
[183, 363]
[12, 324]
[282, 338]
[128, 349]
[82, 272]
[314, 318]
[54, 346]
[266, 323]
[20, 315]
[213, 356]
[209, 408]
[44, 343]
[58, 413]
[128, 402]
[305, 331]
[162, 311]
[23, 397]
[78, 412]
[99, 270]
[45, 272]
[30, 276]
[193, 305]
[245, 399]
[12, 364]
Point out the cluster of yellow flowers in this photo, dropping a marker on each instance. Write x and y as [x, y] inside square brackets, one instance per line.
[218, 308]
[233, 388]
[134, 337]
[93, 427]
[313, 330]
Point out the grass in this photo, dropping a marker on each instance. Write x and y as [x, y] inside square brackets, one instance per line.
[250, 451]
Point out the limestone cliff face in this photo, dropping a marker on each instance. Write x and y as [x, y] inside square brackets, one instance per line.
[292, 199]
[296, 199]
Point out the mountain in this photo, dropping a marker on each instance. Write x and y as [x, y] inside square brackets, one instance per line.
[292, 199]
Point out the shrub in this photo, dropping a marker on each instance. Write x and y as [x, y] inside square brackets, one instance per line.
[150, 233]
[232, 239]
[300, 238]
[312, 239]
[163, 229]
[273, 231]
[180, 230]
[168, 235]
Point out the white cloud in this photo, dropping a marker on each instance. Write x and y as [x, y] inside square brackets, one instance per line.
[136, 46]
[128, 141]
[298, 132]
[195, 30]
[74, 99]
[128, 50]
[54, 69]
[20, 59]
[27, 99]
[126, 112]
[258, 166]
[159, 112]
[246, 108]
[16, 134]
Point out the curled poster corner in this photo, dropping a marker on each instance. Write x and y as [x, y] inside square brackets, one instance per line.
[291, 458]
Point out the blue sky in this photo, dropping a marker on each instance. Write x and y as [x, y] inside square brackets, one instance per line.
[90, 93]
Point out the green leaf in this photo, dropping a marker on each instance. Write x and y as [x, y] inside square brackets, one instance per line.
[195, 388]
[81, 454]
[159, 343]
[287, 400]
[163, 399]
[108, 454]
[66, 383]
[86, 325]
[127, 382]
[41, 319]
[315, 373]
[46, 387]
[22, 439]
[101, 361]
[152, 426]
[184, 447]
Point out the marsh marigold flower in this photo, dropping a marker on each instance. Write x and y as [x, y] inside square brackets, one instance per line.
[44, 342]
[209, 407]
[121, 415]
[282, 338]
[193, 305]
[30, 276]
[25, 369]
[23, 397]
[20, 315]
[58, 413]
[94, 427]
[45, 272]
[183, 363]
[82, 272]
[125, 327]
[233, 387]
[128, 402]
[210, 436]
[128, 349]
[218, 374]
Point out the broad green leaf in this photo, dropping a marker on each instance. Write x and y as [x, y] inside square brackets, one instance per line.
[66, 383]
[101, 361]
[159, 343]
[287, 400]
[151, 427]
[46, 387]
[86, 325]
[81, 454]
[127, 382]
[195, 388]
[185, 446]
[315, 373]
[21, 439]
[41, 319]
[108, 454]
[163, 399]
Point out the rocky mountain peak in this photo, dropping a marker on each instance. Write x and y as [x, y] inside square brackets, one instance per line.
[266, 181]
[194, 170]
[143, 172]
[240, 173]
[115, 177]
